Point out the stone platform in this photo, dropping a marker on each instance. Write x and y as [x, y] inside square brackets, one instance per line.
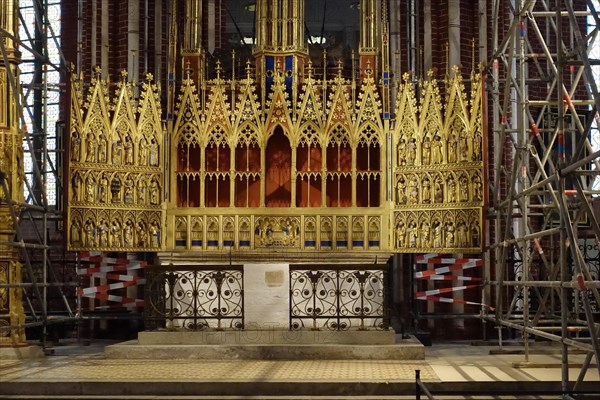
[269, 345]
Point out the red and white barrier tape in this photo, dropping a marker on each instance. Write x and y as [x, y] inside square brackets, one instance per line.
[111, 269]
[436, 274]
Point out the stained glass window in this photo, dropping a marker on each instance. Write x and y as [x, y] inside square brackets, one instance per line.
[50, 80]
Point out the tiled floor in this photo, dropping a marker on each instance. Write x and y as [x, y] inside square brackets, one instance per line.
[448, 363]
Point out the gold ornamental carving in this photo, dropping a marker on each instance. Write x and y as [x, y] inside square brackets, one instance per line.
[116, 171]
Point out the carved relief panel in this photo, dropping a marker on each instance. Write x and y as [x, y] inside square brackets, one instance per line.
[438, 168]
[116, 177]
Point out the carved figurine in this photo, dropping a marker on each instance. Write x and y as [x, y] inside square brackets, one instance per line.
[426, 151]
[477, 195]
[142, 234]
[76, 147]
[141, 191]
[128, 149]
[425, 238]
[437, 234]
[401, 192]
[128, 234]
[92, 146]
[90, 233]
[75, 233]
[128, 197]
[76, 182]
[155, 234]
[463, 147]
[426, 191]
[102, 148]
[103, 233]
[413, 190]
[153, 153]
[451, 190]
[90, 189]
[464, 189]
[154, 191]
[400, 235]
[450, 234]
[401, 150]
[411, 152]
[436, 150]
[439, 191]
[103, 189]
[115, 235]
[452, 148]
[143, 152]
[477, 146]
[117, 153]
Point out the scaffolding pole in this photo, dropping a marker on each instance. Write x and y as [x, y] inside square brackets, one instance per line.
[544, 101]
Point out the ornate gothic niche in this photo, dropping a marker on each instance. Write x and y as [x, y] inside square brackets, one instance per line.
[368, 165]
[339, 166]
[309, 163]
[341, 232]
[278, 179]
[424, 230]
[245, 233]
[212, 232]
[400, 230]
[76, 229]
[374, 234]
[181, 232]
[189, 153]
[474, 219]
[426, 185]
[228, 232]
[462, 230]
[477, 187]
[358, 232]
[451, 187]
[197, 232]
[217, 166]
[247, 167]
[326, 233]
[155, 230]
[310, 233]
[439, 185]
[464, 189]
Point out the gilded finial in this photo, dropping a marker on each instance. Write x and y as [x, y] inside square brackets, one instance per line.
[340, 67]
[188, 69]
[124, 74]
[248, 69]
[309, 68]
[149, 76]
[218, 69]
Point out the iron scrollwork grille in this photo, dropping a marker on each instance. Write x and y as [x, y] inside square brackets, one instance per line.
[338, 299]
[195, 298]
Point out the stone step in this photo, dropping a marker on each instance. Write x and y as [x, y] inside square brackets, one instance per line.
[267, 336]
[408, 350]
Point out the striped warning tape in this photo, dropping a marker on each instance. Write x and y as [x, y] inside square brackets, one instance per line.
[114, 269]
[427, 293]
[456, 266]
[451, 300]
[451, 278]
[450, 264]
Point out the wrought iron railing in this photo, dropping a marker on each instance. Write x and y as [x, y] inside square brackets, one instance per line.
[195, 298]
[345, 298]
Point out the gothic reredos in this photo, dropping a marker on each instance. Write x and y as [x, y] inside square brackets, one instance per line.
[306, 168]
[116, 167]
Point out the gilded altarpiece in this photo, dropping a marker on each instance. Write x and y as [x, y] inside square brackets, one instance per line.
[304, 169]
[116, 168]
[301, 170]
[438, 170]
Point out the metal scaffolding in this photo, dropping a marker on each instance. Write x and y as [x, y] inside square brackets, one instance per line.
[38, 220]
[543, 229]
